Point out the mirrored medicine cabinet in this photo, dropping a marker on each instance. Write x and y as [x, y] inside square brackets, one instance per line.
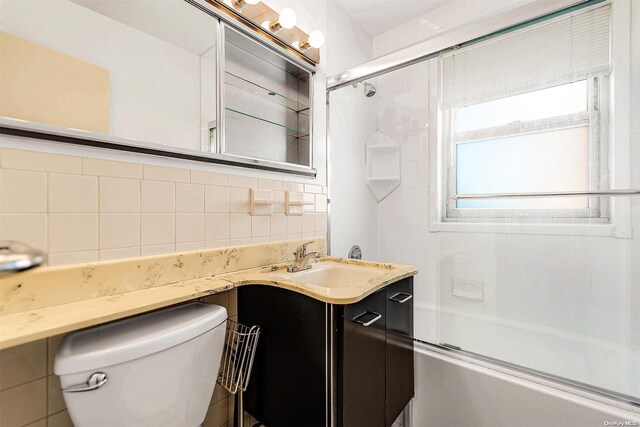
[167, 77]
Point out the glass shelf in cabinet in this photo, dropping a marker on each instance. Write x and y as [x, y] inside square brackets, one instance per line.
[278, 98]
[289, 130]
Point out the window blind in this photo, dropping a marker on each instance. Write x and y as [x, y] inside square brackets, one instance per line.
[570, 48]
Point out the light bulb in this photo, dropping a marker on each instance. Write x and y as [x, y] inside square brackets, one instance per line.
[287, 18]
[316, 39]
[240, 4]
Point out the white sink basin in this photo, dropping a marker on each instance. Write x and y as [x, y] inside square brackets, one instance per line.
[332, 274]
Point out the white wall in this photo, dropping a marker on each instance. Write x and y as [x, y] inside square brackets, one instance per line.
[353, 209]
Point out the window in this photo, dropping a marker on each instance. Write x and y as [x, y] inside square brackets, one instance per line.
[527, 112]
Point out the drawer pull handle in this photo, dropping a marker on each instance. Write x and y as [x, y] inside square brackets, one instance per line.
[401, 297]
[366, 319]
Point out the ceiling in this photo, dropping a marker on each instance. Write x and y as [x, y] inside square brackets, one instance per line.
[378, 16]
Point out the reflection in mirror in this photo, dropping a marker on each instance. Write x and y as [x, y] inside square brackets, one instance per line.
[267, 102]
[154, 60]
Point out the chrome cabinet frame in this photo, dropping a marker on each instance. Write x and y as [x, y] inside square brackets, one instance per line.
[219, 150]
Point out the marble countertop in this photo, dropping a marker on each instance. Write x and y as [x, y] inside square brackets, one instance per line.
[53, 300]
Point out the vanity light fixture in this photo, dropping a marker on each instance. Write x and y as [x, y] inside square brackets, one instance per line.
[287, 19]
[316, 40]
[277, 27]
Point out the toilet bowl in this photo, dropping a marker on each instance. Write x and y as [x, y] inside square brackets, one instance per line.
[158, 369]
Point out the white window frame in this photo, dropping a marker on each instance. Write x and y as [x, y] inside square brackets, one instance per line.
[595, 118]
[619, 125]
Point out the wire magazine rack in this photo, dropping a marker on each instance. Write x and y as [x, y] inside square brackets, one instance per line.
[237, 360]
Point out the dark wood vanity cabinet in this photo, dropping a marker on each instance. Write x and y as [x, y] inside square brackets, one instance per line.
[360, 362]
[320, 364]
[399, 326]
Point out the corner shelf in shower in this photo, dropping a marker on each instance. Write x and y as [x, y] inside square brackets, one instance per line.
[383, 147]
[382, 165]
[384, 179]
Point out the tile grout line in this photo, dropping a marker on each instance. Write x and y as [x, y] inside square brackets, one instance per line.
[27, 382]
[139, 216]
[99, 179]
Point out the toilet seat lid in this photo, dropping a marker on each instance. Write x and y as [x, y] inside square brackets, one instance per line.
[135, 337]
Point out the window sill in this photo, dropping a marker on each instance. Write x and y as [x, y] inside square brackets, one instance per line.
[595, 230]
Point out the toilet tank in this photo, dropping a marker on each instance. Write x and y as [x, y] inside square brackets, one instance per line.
[160, 368]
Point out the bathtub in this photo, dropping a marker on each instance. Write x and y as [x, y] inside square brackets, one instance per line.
[455, 390]
[600, 363]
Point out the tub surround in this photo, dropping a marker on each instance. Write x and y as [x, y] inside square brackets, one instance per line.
[54, 300]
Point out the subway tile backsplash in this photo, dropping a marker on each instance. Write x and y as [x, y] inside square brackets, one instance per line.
[83, 209]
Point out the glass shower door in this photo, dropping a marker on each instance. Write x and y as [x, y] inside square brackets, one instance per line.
[562, 304]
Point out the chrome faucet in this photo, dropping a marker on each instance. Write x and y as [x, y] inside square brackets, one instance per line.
[301, 262]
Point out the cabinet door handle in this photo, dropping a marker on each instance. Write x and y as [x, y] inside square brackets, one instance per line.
[401, 297]
[367, 318]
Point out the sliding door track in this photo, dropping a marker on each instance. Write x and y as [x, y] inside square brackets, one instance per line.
[610, 397]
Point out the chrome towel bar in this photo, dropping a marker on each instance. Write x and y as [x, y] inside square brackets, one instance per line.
[624, 192]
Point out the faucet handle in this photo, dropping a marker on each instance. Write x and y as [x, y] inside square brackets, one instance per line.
[302, 249]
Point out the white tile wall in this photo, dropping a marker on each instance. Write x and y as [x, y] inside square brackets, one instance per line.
[190, 227]
[73, 193]
[189, 198]
[23, 191]
[110, 168]
[85, 209]
[561, 285]
[157, 228]
[119, 194]
[239, 225]
[216, 199]
[119, 230]
[157, 196]
[239, 199]
[216, 226]
[72, 232]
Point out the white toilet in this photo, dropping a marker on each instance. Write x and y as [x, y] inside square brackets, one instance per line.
[157, 369]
